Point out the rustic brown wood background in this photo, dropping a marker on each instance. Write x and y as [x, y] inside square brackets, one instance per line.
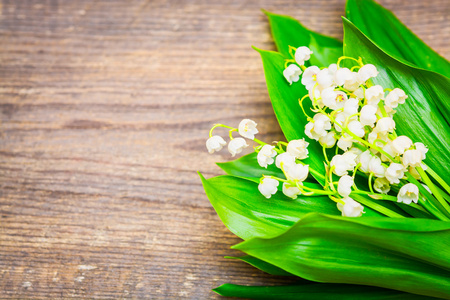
[104, 108]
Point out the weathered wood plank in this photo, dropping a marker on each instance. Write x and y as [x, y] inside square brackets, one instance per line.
[104, 110]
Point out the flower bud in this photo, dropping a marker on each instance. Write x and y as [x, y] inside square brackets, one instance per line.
[302, 54]
[381, 185]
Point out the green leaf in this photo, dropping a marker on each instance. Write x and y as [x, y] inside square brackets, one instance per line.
[262, 265]
[325, 291]
[284, 98]
[323, 55]
[287, 31]
[428, 92]
[247, 166]
[382, 27]
[409, 255]
[248, 214]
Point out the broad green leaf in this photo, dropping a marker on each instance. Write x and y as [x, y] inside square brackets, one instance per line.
[248, 214]
[323, 55]
[421, 117]
[287, 31]
[262, 265]
[284, 98]
[382, 27]
[409, 255]
[324, 291]
[247, 166]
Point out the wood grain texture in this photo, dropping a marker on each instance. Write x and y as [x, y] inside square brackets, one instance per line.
[104, 108]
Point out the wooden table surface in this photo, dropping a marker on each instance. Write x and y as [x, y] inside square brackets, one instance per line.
[105, 107]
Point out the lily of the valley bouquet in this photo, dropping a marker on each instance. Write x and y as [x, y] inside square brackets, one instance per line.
[356, 202]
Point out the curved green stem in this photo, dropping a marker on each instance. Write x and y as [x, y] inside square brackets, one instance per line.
[219, 125]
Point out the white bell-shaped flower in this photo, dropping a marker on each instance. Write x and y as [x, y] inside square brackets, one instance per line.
[351, 107]
[364, 159]
[395, 172]
[215, 143]
[374, 94]
[291, 190]
[345, 185]
[387, 148]
[344, 143]
[247, 128]
[333, 99]
[395, 97]
[292, 73]
[343, 163]
[235, 146]
[368, 115]
[309, 77]
[366, 72]
[376, 167]
[332, 70]
[324, 79]
[412, 158]
[298, 148]
[351, 208]
[408, 193]
[379, 139]
[302, 54]
[381, 185]
[266, 156]
[268, 187]
[356, 151]
[356, 128]
[385, 125]
[309, 131]
[284, 158]
[297, 172]
[400, 144]
[328, 140]
[321, 124]
[347, 78]
[359, 93]
[422, 148]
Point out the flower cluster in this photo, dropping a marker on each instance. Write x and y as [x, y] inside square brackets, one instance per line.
[353, 122]
[246, 128]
